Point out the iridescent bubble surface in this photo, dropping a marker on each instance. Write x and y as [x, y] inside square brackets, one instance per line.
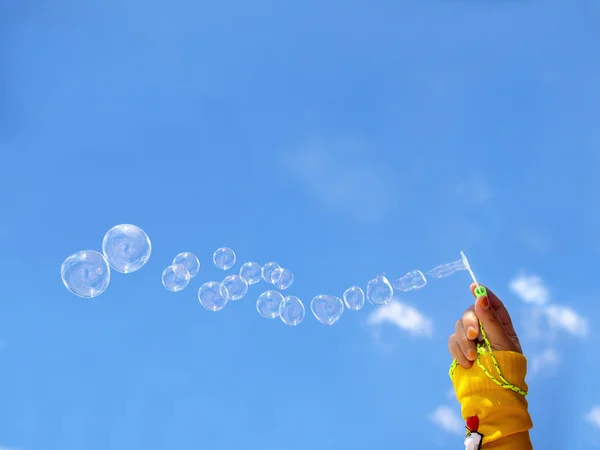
[327, 309]
[251, 272]
[213, 296]
[282, 278]
[412, 281]
[268, 304]
[86, 273]
[224, 258]
[379, 291]
[445, 270]
[354, 298]
[291, 311]
[235, 287]
[126, 248]
[189, 261]
[267, 271]
[175, 278]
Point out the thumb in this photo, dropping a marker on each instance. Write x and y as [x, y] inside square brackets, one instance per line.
[496, 333]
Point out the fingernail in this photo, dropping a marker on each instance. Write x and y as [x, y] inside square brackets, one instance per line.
[472, 333]
[485, 303]
[472, 355]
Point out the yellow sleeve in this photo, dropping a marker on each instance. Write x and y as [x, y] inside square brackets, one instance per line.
[500, 416]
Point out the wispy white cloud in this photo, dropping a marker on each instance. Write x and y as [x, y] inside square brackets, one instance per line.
[530, 289]
[448, 419]
[545, 318]
[340, 176]
[547, 360]
[566, 319]
[593, 416]
[404, 317]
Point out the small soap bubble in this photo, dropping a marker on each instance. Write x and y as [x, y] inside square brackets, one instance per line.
[267, 271]
[327, 309]
[354, 298]
[189, 261]
[235, 287]
[445, 270]
[213, 295]
[251, 272]
[126, 248]
[282, 278]
[412, 281]
[379, 291]
[86, 273]
[268, 304]
[175, 278]
[224, 258]
[291, 311]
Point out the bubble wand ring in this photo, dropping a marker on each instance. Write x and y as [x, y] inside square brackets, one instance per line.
[484, 345]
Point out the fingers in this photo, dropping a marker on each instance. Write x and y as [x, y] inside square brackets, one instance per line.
[489, 309]
[500, 310]
[470, 324]
[457, 353]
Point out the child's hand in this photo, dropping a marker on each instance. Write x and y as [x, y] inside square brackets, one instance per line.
[496, 322]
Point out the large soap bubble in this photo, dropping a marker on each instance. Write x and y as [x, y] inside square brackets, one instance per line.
[282, 278]
[268, 271]
[235, 287]
[175, 278]
[213, 295]
[379, 291]
[86, 274]
[224, 258]
[189, 261]
[291, 311]
[268, 304]
[327, 309]
[126, 248]
[354, 298]
[251, 272]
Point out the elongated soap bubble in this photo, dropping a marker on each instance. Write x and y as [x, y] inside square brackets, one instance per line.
[224, 258]
[327, 309]
[267, 271]
[86, 273]
[282, 278]
[412, 281]
[126, 248]
[291, 311]
[354, 298]
[379, 291]
[212, 295]
[445, 270]
[175, 278]
[235, 287]
[189, 261]
[268, 304]
[251, 272]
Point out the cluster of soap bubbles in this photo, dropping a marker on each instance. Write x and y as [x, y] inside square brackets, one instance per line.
[125, 248]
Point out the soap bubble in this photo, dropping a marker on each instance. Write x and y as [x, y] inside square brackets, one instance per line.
[354, 298]
[235, 287]
[86, 273]
[445, 270]
[251, 272]
[175, 278]
[268, 304]
[267, 271]
[224, 258]
[412, 281]
[282, 278]
[213, 296]
[291, 311]
[126, 248]
[189, 261]
[379, 291]
[327, 309]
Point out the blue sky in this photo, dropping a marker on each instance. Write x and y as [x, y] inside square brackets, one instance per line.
[341, 140]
